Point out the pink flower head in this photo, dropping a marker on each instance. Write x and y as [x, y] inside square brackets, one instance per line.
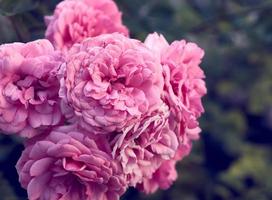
[75, 20]
[163, 178]
[111, 82]
[166, 174]
[184, 85]
[143, 148]
[29, 87]
[69, 164]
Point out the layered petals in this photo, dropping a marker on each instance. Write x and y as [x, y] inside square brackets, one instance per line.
[75, 20]
[29, 87]
[110, 82]
[166, 174]
[183, 82]
[70, 164]
[142, 149]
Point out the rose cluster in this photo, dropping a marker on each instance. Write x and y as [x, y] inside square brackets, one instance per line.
[99, 111]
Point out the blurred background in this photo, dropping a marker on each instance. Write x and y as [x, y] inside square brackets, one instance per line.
[233, 159]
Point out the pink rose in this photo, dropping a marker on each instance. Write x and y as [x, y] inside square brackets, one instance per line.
[29, 87]
[166, 174]
[110, 82]
[70, 164]
[184, 85]
[143, 148]
[162, 178]
[183, 90]
[75, 20]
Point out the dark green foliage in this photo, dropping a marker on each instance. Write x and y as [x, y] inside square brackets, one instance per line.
[233, 159]
[14, 7]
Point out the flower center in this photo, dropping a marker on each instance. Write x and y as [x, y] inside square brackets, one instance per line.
[71, 165]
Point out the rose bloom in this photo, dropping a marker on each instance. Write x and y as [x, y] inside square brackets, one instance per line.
[184, 85]
[142, 149]
[70, 164]
[183, 89]
[29, 87]
[75, 20]
[110, 82]
[166, 174]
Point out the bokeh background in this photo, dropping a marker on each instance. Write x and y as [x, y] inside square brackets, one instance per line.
[233, 159]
